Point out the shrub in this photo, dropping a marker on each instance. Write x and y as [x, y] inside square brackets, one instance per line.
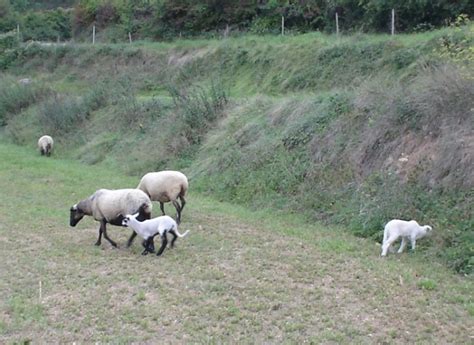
[198, 108]
[60, 115]
[15, 97]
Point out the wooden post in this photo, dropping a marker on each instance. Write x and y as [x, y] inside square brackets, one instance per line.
[282, 26]
[18, 31]
[130, 38]
[393, 21]
[337, 24]
[93, 34]
[226, 32]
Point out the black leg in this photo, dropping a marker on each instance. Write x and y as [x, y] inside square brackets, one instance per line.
[178, 211]
[164, 242]
[106, 236]
[162, 208]
[149, 245]
[183, 202]
[174, 237]
[100, 235]
[130, 240]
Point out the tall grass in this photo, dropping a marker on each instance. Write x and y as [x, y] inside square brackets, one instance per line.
[15, 96]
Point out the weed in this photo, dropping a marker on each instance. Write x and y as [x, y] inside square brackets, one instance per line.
[427, 284]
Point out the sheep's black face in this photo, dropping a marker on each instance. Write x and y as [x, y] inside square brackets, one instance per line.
[125, 221]
[75, 216]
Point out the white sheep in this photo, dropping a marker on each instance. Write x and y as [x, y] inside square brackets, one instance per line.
[108, 206]
[165, 186]
[148, 229]
[407, 230]
[45, 145]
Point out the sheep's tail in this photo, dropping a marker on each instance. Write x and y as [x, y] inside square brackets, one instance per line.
[181, 235]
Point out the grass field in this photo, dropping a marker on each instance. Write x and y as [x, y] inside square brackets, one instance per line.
[241, 276]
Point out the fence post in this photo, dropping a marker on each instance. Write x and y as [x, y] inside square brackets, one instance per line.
[226, 32]
[93, 34]
[130, 38]
[18, 31]
[393, 21]
[282, 25]
[337, 24]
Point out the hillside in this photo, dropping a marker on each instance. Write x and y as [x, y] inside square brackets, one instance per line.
[351, 130]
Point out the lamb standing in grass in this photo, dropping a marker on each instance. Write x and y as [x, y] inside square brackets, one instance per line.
[148, 229]
[165, 186]
[108, 206]
[45, 145]
[407, 230]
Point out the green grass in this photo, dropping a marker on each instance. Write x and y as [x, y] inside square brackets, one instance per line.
[241, 275]
[353, 131]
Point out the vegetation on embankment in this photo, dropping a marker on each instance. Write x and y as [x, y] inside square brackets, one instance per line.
[352, 131]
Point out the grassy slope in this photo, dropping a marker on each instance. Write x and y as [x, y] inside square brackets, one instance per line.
[315, 124]
[240, 276]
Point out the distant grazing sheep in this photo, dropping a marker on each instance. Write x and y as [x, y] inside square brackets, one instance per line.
[108, 206]
[165, 186]
[148, 229]
[407, 230]
[45, 145]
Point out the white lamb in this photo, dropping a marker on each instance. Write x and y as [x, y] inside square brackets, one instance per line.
[407, 230]
[148, 229]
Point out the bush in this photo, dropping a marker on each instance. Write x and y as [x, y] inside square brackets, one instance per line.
[60, 115]
[198, 108]
[15, 97]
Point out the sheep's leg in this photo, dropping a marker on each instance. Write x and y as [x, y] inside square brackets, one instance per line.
[100, 235]
[164, 242]
[178, 211]
[130, 240]
[104, 230]
[413, 243]
[148, 245]
[162, 208]
[386, 245]
[403, 245]
[183, 202]
[172, 232]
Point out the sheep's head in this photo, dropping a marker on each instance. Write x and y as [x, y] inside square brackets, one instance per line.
[428, 229]
[76, 214]
[126, 221]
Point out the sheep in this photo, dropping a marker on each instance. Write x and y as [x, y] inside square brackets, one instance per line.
[407, 230]
[108, 206]
[45, 145]
[148, 229]
[165, 186]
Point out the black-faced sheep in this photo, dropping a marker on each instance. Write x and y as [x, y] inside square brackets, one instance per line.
[45, 145]
[108, 206]
[148, 229]
[165, 186]
[407, 230]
